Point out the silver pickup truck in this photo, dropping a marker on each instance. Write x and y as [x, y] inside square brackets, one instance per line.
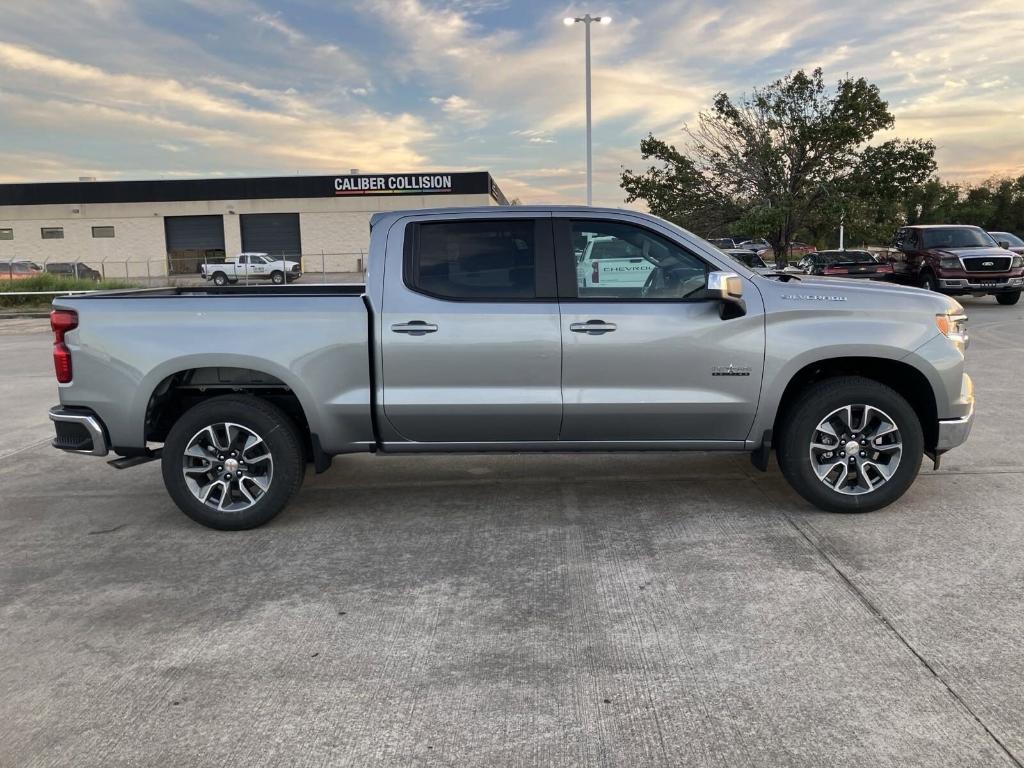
[475, 332]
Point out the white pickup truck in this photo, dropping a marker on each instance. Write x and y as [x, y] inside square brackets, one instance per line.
[252, 266]
[608, 262]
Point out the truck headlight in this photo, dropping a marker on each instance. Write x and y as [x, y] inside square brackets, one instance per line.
[1017, 262]
[949, 262]
[954, 328]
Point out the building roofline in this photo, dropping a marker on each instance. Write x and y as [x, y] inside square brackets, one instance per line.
[251, 188]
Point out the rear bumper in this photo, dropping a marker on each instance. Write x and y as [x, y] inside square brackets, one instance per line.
[954, 432]
[79, 430]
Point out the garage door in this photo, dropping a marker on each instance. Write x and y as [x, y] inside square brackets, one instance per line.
[191, 240]
[274, 233]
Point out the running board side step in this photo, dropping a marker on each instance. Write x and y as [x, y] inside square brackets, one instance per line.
[127, 462]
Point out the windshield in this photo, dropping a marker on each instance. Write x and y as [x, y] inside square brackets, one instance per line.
[956, 237]
[847, 257]
[750, 259]
[1008, 237]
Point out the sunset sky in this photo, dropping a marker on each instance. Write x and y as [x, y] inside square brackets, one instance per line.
[167, 89]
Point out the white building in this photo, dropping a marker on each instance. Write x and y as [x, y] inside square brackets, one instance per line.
[139, 228]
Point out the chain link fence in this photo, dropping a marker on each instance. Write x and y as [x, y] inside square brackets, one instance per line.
[184, 268]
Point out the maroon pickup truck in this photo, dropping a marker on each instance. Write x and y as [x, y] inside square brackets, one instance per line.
[957, 260]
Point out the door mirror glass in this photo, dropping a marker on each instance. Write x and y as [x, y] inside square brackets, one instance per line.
[727, 287]
[1003, 243]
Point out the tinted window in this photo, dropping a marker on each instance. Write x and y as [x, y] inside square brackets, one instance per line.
[622, 261]
[52, 233]
[102, 231]
[6, 233]
[476, 259]
[1006, 237]
[955, 237]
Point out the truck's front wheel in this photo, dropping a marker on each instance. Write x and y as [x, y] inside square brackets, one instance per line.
[1008, 299]
[233, 462]
[851, 445]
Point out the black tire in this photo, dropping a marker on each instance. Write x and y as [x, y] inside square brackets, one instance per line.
[1008, 299]
[219, 278]
[928, 281]
[277, 277]
[278, 433]
[800, 427]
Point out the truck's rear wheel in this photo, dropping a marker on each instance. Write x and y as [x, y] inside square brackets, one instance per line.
[851, 445]
[220, 278]
[233, 462]
[1008, 299]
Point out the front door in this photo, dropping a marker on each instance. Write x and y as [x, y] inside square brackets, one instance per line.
[470, 333]
[653, 359]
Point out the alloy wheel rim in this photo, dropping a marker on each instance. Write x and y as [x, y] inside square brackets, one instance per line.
[228, 467]
[856, 449]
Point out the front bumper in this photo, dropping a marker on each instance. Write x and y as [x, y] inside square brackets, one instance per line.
[79, 430]
[978, 284]
[954, 432]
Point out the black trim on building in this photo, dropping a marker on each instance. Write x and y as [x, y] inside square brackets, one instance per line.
[266, 188]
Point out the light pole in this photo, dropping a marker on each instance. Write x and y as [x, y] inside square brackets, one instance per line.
[587, 20]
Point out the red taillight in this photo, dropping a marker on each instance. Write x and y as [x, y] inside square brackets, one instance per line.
[884, 269]
[595, 276]
[836, 271]
[62, 321]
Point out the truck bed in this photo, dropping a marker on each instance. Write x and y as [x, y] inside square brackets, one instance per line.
[312, 289]
[314, 339]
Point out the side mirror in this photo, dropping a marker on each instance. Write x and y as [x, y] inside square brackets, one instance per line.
[727, 287]
[1003, 243]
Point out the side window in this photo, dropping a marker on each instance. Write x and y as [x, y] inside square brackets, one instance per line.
[621, 261]
[475, 260]
[242, 259]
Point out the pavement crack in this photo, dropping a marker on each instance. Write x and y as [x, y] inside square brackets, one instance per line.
[868, 603]
[108, 530]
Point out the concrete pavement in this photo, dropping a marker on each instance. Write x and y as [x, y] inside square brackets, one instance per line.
[650, 609]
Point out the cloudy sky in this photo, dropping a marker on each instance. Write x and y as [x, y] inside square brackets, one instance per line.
[178, 88]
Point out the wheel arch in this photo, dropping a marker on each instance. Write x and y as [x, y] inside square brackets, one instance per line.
[900, 376]
[175, 388]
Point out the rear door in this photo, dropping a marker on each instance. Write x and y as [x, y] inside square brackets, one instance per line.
[655, 362]
[470, 334]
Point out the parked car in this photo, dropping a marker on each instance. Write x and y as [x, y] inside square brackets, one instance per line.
[794, 250]
[844, 264]
[252, 266]
[610, 263]
[756, 245]
[74, 269]
[750, 260]
[18, 270]
[725, 243]
[957, 259]
[1012, 242]
[468, 336]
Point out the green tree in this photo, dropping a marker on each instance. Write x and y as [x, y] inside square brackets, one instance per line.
[790, 157]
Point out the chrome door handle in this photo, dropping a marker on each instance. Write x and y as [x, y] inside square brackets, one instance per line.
[414, 328]
[593, 327]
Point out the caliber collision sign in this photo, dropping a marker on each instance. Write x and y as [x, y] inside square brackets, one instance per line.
[394, 184]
